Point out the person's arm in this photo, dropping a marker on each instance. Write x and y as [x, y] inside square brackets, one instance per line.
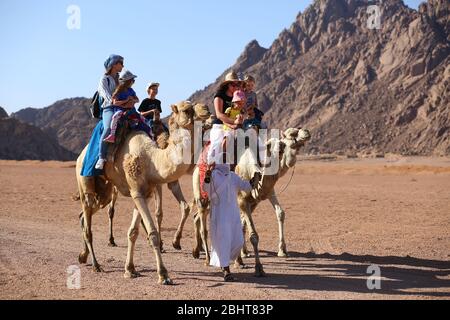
[120, 103]
[218, 106]
[105, 92]
[241, 185]
[142, 107]
[134, 96]
[147, 113]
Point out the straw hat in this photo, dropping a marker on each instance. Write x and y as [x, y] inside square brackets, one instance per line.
[230, 77]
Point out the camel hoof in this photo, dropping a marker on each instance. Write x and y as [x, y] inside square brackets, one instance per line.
[82, 258]
[97, 268]
[112, 244]
[176, 245]
[131, 274]
[196, 253]
[259, 271]
[283, 254]
[166, 282]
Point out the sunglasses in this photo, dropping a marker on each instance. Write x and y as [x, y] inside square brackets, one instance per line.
[236, 85]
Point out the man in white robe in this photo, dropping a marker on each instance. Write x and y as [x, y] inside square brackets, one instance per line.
[227, 238]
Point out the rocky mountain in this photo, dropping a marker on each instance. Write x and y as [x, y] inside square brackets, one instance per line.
[357, 88]
[3, 113]
[21, 141]
[68, 121]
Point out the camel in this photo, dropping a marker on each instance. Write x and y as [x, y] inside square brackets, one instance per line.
[162, 140]
[138, 167]
[288, 148]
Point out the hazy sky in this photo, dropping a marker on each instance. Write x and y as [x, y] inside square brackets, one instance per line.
[184, 45]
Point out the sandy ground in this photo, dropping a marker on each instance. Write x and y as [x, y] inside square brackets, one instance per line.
[342, 217]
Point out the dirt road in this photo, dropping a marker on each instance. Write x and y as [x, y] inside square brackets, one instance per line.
[341, 217]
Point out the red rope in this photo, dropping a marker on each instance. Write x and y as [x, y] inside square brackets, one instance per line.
[203, 167]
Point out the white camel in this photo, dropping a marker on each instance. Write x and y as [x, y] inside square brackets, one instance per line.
[288, 148]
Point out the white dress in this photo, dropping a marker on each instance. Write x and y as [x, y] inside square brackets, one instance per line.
[227, 238]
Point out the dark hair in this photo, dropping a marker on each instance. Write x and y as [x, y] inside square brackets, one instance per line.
[223, 89]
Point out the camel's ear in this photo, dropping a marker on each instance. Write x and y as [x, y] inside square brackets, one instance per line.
[174, 108]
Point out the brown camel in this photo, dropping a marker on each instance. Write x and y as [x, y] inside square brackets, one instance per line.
[162, 140]
[138, 167]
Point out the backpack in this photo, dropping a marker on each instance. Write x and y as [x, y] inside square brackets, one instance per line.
[96, 105]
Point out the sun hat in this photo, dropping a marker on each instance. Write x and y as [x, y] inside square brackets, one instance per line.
[126, 75]
[230, 77]
[152, 84]
[111, 61]
[238, 96]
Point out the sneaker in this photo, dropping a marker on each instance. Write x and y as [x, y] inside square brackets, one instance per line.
[110, 139]
[100, 164]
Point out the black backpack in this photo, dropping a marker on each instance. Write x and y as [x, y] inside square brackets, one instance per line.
[96, 105]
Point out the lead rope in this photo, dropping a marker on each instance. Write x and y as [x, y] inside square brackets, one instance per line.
[290, 180]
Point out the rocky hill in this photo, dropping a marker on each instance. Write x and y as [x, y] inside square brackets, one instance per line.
[21, 141]
[68, 121]
[3, 113]
[358, 89]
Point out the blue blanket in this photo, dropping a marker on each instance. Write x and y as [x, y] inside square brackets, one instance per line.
[91, 157]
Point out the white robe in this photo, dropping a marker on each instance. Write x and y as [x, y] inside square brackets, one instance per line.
[227, 238]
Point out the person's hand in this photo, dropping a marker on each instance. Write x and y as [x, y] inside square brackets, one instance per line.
[156, 116]
[254, 182]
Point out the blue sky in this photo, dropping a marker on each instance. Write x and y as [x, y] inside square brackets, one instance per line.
[184, 45]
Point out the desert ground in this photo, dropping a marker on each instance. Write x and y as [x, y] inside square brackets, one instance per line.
[342, 216]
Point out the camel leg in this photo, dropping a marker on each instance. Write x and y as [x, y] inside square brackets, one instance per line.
[159, 213]
[198, 238]
[82, 257]
[133, 233]
[88, 239]
[282, 252]
[111, 212]
[203, 211]
[244, 251]
[184, 207]
[141, 205]
[201, 232]
[254, 238]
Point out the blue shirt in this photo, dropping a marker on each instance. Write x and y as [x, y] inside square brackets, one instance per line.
[125, 95]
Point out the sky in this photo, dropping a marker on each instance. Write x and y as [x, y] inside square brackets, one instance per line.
[47, 54]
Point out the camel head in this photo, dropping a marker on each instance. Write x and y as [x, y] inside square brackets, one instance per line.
[274, 146]
[294, 139]
[183, 115]
[202, 112]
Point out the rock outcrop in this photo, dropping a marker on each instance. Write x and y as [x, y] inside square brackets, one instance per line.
[358, 89]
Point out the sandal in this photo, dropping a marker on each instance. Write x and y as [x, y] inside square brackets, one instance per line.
[228, 278]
